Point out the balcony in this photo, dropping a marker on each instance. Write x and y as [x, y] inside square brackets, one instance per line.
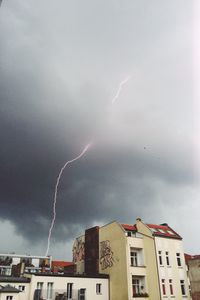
[59, 294]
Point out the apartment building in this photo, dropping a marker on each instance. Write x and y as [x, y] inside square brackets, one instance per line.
[170, 260]
[10, 262]
[123, 253]
[40, 286]
[143, 261]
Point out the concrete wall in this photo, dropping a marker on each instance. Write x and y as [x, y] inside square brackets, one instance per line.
[112, 259]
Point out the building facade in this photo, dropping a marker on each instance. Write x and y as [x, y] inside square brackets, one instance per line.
[9, 263]
[143, 261]
[193, 264]
[54, 287]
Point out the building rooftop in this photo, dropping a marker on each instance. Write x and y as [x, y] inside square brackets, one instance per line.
[191, 257]
[162, 230]
[14, 279]
[8, 289]
[129, 227]
[71, 275]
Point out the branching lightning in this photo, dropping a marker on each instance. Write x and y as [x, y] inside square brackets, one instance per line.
[71, 161]
[56, 192]
[120, 88]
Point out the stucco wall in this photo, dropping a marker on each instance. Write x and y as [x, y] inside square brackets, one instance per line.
[60, 285]
[173, 271]
[150, 261]
[113, 260]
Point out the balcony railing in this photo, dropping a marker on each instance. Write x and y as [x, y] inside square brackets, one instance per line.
[58, 295]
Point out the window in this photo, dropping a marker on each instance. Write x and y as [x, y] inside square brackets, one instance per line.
[49, 290]
[167, 258]
[81, 295]
[39, 285]
[171, 287]
[22, 288]
[163, 287]
[178, 257]
[129, 233]
[160, 257]
[134, 258]
[161, 231]
[98, 288]
[182, 282]
[135, 286]
[9, 297]
[69, 290]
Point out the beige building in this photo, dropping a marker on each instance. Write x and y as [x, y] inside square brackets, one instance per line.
[126, 255]
[144, 261]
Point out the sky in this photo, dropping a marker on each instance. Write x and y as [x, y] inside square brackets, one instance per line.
[61, 63]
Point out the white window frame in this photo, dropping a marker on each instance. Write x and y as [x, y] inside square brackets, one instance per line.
[49, 290]
[134, 257]
[178, 259]
[183, 289]
[69, 290]
[98, 288]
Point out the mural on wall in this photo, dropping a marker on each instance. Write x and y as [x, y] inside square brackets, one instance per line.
[106, 255]
[78, 250]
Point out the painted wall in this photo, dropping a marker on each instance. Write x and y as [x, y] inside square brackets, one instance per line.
[60, 286]
[149, 261]
[112, 259]
[24, 295]
[79, 254]
[173, 271]
[194, 276]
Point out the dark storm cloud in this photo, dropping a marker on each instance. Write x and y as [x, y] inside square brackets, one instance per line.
[60, 66]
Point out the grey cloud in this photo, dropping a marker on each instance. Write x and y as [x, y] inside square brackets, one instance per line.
[60, 66]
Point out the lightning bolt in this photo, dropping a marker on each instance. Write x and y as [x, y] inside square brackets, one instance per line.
[70, 162]
[56, 192]
[120, 88]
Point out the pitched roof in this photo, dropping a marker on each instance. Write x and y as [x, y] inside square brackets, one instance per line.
[129, 227]
[163, 230]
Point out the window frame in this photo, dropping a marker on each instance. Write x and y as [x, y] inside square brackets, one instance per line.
[183, 289]
[178, 259]
[69, 290]
[163, 287]
[98, 288]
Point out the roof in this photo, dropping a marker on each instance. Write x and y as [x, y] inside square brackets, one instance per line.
[129, 227]
[163, 230]
[191, 257]
[14, 279]
[71, 275]
[61, 263]
[8, 289]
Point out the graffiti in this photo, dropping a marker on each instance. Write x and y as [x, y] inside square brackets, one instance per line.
[78, 250]
[106, 255]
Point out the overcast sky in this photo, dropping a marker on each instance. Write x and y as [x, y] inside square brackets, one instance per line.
[61, 63]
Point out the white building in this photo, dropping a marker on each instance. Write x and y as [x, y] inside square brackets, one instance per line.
[170, 261]
[54, 287]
